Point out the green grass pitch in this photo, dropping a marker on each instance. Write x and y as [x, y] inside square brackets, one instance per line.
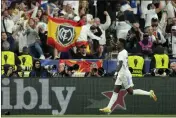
[86, 116]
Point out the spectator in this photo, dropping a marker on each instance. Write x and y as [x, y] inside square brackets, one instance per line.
[100, 53]
[38, 70]
[9, 71]
[103, 27]
[146, 45]
[173, 41]
[82, 19]
[158, 35]
[9, 57]
[144, 4]
[52, 7]
[82, 11]
[149, 31]
[84, 5]
[133, 37]
[93, 71]
[7, 23]
[136, 65]
[10, 39]
[128, 11]
[33, 39]
[62, 72]
[122, 27]
[74, 5]
[73, 71]
[85, 32]
[43, 30]
[151, 13]
[82, 53]
[26, 62]
[170, 8]
[172, 72]
[68, 10]
[170, 22]
[159, 60]
[93, 42]
[39, 14]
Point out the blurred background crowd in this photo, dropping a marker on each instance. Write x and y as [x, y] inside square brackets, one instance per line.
[149, 28]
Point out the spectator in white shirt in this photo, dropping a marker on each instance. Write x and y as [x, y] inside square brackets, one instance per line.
[151, 13]
[122, 27]
[156, 32]
[144, 4]
[68, 10]
[103, 27]
[149, 31]
[173, 41]
[170, 9]
[7, 23]
[85, 32]
[73, 4]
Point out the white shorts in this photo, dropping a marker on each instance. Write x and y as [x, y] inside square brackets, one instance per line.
[126, 80]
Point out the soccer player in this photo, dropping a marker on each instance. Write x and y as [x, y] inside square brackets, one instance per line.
[123, 76]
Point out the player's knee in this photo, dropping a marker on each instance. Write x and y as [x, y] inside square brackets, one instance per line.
[117, 89]
[130, 91]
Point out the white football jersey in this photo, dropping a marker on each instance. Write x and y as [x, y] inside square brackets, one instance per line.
[123, 56]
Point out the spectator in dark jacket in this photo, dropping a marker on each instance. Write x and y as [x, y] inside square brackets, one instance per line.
[173, 67]
[100, 53]
[9, 39]
[133, 37]
[9, 72]
[81, 54]
[38, 70]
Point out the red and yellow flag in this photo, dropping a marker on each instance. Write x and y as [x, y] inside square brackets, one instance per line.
[62, 33]
[84, 65]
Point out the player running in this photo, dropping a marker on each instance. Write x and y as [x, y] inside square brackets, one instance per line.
[123, 76]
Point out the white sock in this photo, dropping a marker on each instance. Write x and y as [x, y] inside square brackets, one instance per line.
[112, 100]
[140, 92]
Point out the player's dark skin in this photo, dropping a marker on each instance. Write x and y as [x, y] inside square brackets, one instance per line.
[117, 88]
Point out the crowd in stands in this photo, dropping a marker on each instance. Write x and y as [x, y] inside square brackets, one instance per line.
[149, 28]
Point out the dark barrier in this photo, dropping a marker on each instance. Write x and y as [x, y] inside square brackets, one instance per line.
[84, 96]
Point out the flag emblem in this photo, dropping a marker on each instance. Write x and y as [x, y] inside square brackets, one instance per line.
[65, 34]
[62, 33]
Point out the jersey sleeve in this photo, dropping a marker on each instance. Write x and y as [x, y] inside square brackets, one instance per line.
[120, 57]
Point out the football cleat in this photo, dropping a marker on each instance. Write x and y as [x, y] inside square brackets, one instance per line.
[106, 110]
[152, 95]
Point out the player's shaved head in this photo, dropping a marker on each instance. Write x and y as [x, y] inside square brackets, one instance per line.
[122, 41]
[121, 44]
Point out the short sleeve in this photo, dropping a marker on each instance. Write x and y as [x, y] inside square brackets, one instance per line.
[120, 57]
